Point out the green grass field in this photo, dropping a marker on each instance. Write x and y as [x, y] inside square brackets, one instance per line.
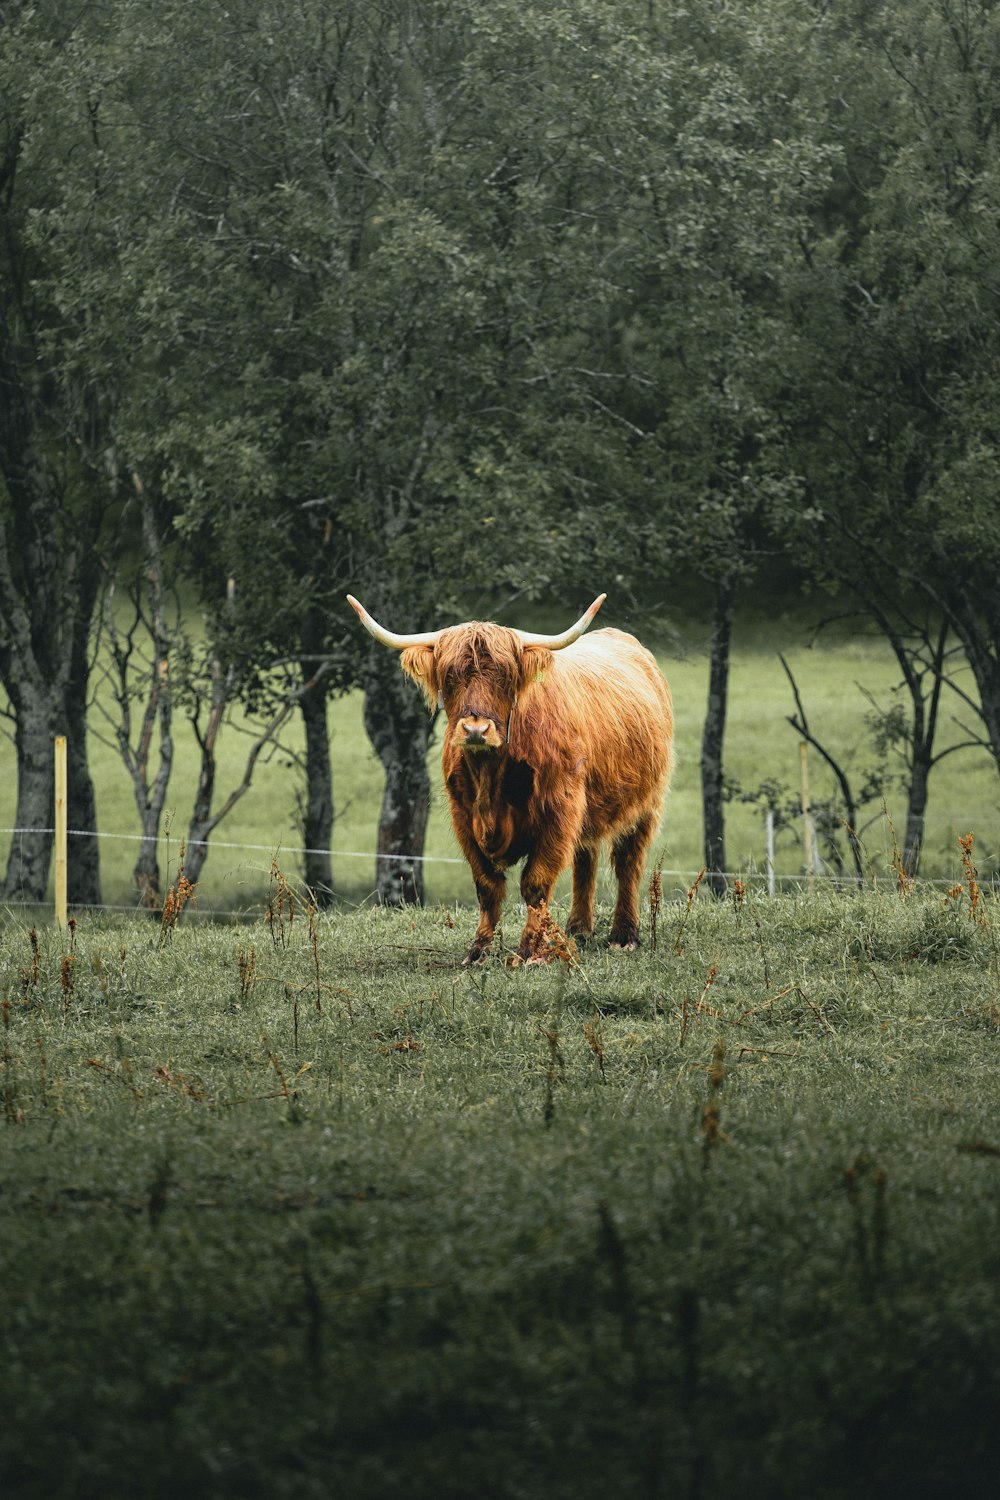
[293, 1210]
[965, 792]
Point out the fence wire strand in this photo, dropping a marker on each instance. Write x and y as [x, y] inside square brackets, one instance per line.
[686, 876]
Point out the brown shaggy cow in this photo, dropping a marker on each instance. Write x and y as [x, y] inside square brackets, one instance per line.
[553, 744]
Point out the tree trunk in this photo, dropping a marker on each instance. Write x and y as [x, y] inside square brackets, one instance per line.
[317, 821]
[916, 807]
[55, 501]
[150, 792]
[83, 875]
[317, 810]
[713, 735]
[46, 671]
[925, 717]
[41, 714]
[399, 729]
[202, 820]
[916, 659]
[36, 722]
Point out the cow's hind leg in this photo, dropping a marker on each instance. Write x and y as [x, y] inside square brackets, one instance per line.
[581, 912]
[628, 856]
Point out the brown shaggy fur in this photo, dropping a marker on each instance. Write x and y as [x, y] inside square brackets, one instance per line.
[588, 758]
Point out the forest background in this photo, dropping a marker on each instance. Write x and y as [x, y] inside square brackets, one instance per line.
[477, 312]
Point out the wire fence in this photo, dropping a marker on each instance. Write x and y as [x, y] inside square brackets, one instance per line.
[763, 874]
[165, 839]
[272, 848]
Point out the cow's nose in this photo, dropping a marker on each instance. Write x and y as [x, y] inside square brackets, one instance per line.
[474, 729]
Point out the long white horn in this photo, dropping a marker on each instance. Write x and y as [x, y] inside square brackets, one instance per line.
[387, 637]
[557, 642]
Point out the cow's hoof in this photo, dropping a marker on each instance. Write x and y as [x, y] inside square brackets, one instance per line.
[522, 960]
[624, 941]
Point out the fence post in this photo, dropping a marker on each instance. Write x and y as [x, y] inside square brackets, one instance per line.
[60, 830]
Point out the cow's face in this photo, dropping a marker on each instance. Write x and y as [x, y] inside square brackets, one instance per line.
[477, 672]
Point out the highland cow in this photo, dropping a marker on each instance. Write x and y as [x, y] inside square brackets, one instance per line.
[553, 745]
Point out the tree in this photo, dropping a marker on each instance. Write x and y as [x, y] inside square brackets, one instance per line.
[921, 647]
[224, 346]
[382, 324]
[144, 647]
[58, 490]
[891, 366]
[715, 115]
[444, 305]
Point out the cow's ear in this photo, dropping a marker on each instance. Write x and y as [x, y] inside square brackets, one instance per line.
[535, 662]
[418, 662]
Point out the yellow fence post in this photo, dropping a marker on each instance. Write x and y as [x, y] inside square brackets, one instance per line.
[61, 830]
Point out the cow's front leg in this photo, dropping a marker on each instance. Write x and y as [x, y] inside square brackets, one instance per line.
[533, 947]
[537, 883]
[491, 887]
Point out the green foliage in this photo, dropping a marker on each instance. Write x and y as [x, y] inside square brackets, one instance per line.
[304, 1205]
[893, 315]
[458, 308]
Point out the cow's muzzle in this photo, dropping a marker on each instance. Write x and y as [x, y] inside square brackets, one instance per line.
[476, 732]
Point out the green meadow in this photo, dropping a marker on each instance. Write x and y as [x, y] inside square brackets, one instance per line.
[304, 1208]
[300, 1206]
[831, 669]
